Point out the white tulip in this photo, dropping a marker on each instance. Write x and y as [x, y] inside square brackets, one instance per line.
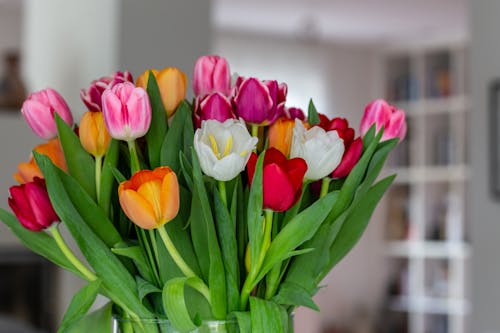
[223, 148]
[321, 150]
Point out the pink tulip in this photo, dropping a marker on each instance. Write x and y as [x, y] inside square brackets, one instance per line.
[127, 111]
[31, 204]
[92, 96]
[211, 74]
[38, 111]
[382, 114]
[294, 113]
[215, 106]
[259, 103]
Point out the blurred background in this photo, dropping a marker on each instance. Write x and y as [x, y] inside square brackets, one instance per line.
[428, 262]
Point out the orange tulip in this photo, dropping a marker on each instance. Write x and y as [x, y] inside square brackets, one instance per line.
[150, 198]
[26, 171]
[142, 80]
[280, 135]
[94, 136]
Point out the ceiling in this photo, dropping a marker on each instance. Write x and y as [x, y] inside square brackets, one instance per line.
[353, 21]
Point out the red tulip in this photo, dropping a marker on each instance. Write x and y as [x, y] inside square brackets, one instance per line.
[211, 74]
[92, 96]
[282, 179]
[381, 113]
[214, 106]
[31, 204]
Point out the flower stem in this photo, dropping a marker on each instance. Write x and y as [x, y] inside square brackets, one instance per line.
[223, 192]
[70, 255]
[134, 158]
[325, 184]
[98, 169]
[174, 253]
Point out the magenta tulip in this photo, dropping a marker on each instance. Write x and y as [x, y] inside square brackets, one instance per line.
[259, 103]
[127, 111]
[31, 204]
[382, 114]
[211, 74]
[38, 111]
[294, 113]
[92, 96]
[215, 106]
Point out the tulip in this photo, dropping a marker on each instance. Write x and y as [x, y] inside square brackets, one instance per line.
[223, 148]
[280, 135]
[382, 114]
[214, 106]
[259, 103]
[281, 179]
[94, 136]
[292, 113]
[38, 111]
[142, 80]
[150, 198]
[211, 74]
[127, 111]
[27, 171]
[322, 150]
[31, 204]
[92, 96]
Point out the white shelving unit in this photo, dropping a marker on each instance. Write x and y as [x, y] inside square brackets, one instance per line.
[427, 247]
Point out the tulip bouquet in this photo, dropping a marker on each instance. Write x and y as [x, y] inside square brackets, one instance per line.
[232, 207]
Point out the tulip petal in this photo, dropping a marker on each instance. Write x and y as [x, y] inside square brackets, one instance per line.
[114, 118]
[349, 160]
[138, 209]
[169, 197]
[279, 193]
[40, 118]
[139, 112]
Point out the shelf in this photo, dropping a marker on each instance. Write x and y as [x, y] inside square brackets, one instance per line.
[430, 174]
[437, 105]
[430, 305]
[428, 249]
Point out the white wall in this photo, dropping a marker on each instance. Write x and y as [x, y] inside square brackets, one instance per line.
[484, 212]
[339, 79]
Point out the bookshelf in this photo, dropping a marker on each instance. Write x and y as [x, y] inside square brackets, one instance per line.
[427, 246]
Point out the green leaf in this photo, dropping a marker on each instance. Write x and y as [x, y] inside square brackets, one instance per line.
[294, 295]
[80, 304]
[174, 140]
[312, 114]
[244, 321]
[159, 125]
[203, 233]
[267, 316]
[136, 253]
[254, 214]
[227, 237]
[145, 287]
[174, 303]
[107, 179]
[38, 242]
[96, 321]
[80, 164]
[297, 231]
[117, 281]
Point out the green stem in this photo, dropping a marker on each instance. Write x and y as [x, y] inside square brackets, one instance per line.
[222, 191]
[70, 255]
[325, 184]
[174, 253]
[134, 158]
[98, 169]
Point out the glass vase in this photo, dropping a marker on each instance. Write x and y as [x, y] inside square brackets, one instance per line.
[120, 325]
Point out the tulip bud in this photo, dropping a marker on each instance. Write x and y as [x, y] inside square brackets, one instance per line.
[280, 135]
[94, 136]
[126, 111]
[31, 204]
[38, 111]
[382, 114]
[211, 74]
[151, 197]
[142, 80]
[214, 106]
[173, 84]
[92, 96]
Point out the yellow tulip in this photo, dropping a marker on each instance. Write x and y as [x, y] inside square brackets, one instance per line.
[142, 80]
[151, 197]
[280, 135]
[94, 136]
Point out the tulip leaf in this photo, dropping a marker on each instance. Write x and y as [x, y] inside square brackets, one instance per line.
[300, 229]
[254, 214]
[159, 125]
[145, 287]
[227, 237]
[173, 141]
[294, 295]
[174, 302]
[107, 179]
[187, 170]
[80, 304]
[244, 321]
[96, 218]
[312, 114]
[80, 164]
[268, 316]
[117, 282]
[38, 242]
[203, 233]
[136, 253]
[96, 321]
[188, 132]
